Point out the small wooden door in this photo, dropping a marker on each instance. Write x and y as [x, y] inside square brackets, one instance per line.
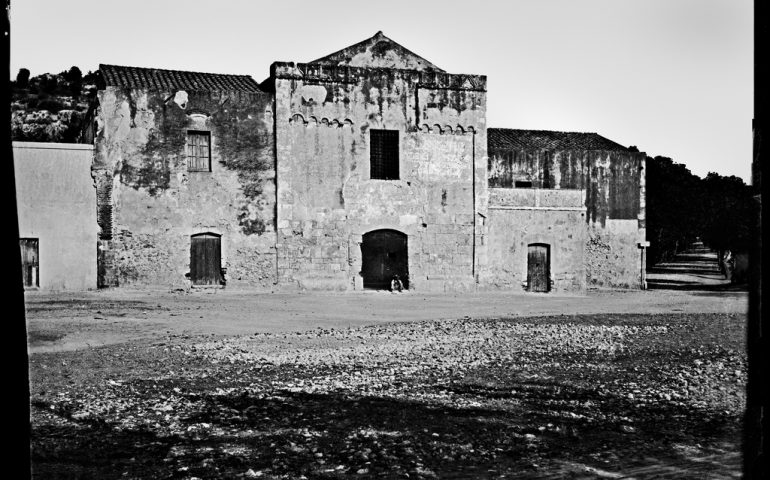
[538, 267]
[206, 259]
[30, 261]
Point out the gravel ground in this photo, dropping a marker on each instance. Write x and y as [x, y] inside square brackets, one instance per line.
[70, 321]
[578, 396]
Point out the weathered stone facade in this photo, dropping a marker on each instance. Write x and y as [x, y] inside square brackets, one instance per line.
[522, 217]
[150, 203]
[295, 185]
[327, 198]
[610, 179]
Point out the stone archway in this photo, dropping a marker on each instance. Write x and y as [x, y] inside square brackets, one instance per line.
[384, 254]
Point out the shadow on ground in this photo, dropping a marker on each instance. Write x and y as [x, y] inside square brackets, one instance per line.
[695, 286]
[540, 430]
[696, 269]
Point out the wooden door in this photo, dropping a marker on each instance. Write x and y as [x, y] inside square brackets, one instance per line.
[538, 268]
[384, 255]
[30, 261]
[206, 259]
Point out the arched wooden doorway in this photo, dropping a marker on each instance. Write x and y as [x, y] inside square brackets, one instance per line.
[538, 267]
[384, 255]
[206, 259]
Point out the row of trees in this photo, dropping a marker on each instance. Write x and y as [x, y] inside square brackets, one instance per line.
[683, 207]
[67, 83]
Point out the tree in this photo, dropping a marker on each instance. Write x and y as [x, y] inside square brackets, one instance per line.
[728, 201]
[674, 207]
[75, 79]
[22, 78]
[48, 84]
[73, 75]
[682, 207]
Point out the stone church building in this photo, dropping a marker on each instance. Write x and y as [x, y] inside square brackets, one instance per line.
[346, 171]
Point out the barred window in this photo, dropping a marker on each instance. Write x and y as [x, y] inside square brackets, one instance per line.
[383, 154]
[198, 151]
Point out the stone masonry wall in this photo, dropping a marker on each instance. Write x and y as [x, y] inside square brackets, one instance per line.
[613, 255]
[149, 204]
[520, 217]
[613, 186]
[326, 198]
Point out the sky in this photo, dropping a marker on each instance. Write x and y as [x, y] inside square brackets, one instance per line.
[672, 77]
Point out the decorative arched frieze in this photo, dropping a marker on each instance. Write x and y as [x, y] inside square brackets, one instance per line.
[298, 118]
[445, 129]
[335, 123]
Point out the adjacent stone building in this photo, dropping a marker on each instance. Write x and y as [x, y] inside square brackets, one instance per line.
[346, 171]
[578, 195]
[184, 169]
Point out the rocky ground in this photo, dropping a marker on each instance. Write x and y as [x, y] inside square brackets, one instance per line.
[583, 396]
[186, 385]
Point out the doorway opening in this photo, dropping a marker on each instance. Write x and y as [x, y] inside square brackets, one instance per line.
[206, 259]
[384, 255]
[30, 261]
[538, 267]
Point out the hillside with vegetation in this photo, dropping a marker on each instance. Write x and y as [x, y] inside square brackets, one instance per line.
[50, 107]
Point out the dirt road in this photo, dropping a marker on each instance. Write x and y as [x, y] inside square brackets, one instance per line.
[59, 322]
[613, 384]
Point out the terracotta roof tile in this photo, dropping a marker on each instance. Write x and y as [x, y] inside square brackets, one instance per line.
[508, 139]
[159, 79]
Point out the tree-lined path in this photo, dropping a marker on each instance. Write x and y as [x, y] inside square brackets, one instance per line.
[697, 268]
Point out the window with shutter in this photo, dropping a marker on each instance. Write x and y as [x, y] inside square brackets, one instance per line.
[383, 154]
[198, 151]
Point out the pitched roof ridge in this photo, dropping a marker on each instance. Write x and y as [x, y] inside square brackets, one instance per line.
[545, 139]
[162, 78]
[170, 70]
[379, 36]
[543, 131]
[357, 44]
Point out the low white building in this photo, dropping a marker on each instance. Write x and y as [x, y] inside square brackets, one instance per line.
[56, 202]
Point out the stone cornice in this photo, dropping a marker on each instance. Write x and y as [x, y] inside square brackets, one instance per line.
[345, 74]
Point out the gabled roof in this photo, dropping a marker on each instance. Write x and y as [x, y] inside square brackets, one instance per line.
[159, 79]
[378, 51]
[511, 139]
